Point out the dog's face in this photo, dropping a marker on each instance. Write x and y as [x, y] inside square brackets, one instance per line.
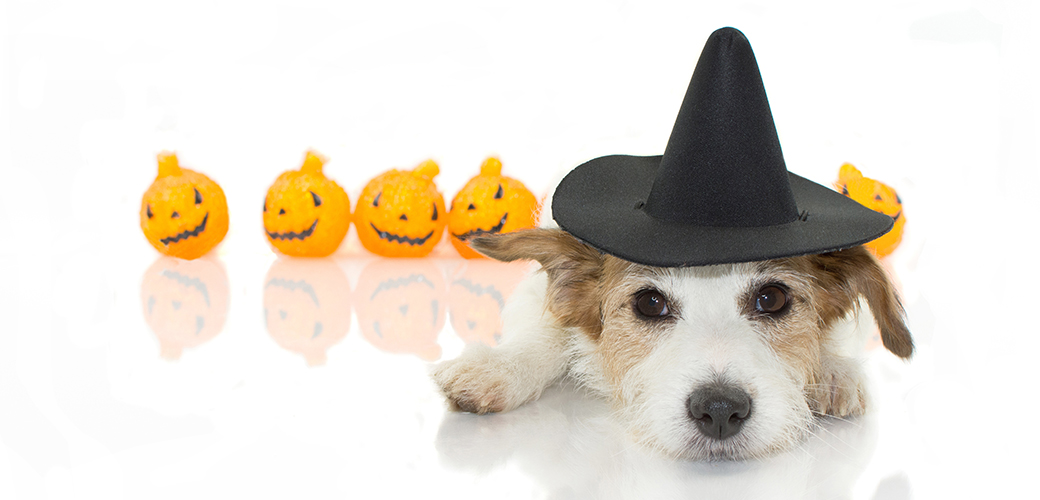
[725, 361]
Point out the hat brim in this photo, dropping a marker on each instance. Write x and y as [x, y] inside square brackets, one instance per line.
[601, 203]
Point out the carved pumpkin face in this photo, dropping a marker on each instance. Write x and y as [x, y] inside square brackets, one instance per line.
[401, 214]
[878, 197]
[183, 213]
[307, 306]
[184, 302]
[488, 204]
[305, 213]
[477, 296]
[401, 306]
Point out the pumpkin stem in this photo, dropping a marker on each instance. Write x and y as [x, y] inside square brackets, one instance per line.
[492, 166]
[848, 172]
[168, 164]
[313, 162]
[427, 169]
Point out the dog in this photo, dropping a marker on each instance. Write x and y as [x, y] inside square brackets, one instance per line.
[730, 361]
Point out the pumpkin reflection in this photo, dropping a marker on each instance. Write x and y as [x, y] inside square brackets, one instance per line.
[477, 295]
[307, 306]
[185, 302]
[401, 306]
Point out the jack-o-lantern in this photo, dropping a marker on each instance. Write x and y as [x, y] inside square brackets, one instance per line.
[477, 295]
[307, 306]
[305, 213]
[489, 204]
[185, 302]
[183, 213]
[876, 196]
[401, 213]
[401, 306]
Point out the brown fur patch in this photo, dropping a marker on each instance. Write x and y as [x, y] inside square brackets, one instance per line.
[574, 269]
[795, 335]
[626, 340]
[845, 275]
[825, 288]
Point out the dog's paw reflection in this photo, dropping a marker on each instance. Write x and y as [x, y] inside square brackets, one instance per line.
[545, 427]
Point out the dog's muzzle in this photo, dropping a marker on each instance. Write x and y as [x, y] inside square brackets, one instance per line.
[719, 410]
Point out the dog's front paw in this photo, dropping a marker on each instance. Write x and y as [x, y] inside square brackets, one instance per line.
[841, 389]
[483, 381]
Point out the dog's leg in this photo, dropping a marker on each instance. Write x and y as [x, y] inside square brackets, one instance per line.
[531, 357]
[841, 385]
[840, 389]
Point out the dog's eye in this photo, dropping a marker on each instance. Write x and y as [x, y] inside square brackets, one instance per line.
[770, 299]
[651, 304]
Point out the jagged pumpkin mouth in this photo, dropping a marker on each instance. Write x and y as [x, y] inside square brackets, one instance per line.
[183, 235]
[388, 236]
[292, 235]
[481, 232]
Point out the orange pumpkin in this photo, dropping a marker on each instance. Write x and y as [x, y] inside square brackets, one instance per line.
[477, 295]
[185, 302]
[305, 213]
[401, 213]
[489, 204]
[307, 306]
[401, 306]
[183, 213]
[878, 197]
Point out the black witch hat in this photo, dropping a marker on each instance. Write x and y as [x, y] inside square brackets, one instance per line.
[721, 192]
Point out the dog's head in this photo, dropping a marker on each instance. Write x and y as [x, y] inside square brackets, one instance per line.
[715, 361]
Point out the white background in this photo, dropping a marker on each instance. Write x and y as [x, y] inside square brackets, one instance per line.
[939, 99]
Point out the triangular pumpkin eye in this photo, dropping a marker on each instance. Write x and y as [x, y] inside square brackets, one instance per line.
[198, 197]
[317, 199]
[877, 197]
[148, 211]
[375, 202]
[499, 193]
[265, 205]
[434, 212]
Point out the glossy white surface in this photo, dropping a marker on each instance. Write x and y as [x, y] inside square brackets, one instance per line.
[111, 386]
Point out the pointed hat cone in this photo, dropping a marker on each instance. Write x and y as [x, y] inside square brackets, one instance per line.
[721, 192]
[724, 143]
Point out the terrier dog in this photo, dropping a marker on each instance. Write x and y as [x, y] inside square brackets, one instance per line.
[727, 361]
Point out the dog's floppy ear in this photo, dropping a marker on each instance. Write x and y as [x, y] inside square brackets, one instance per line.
[850, 273]
[574, 271]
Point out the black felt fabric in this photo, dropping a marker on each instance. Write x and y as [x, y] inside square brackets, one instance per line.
[721, 192]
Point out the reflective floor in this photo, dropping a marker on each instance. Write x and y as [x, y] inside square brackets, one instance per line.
[308, 377]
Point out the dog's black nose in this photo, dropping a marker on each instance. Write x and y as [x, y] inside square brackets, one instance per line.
[719, 410]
